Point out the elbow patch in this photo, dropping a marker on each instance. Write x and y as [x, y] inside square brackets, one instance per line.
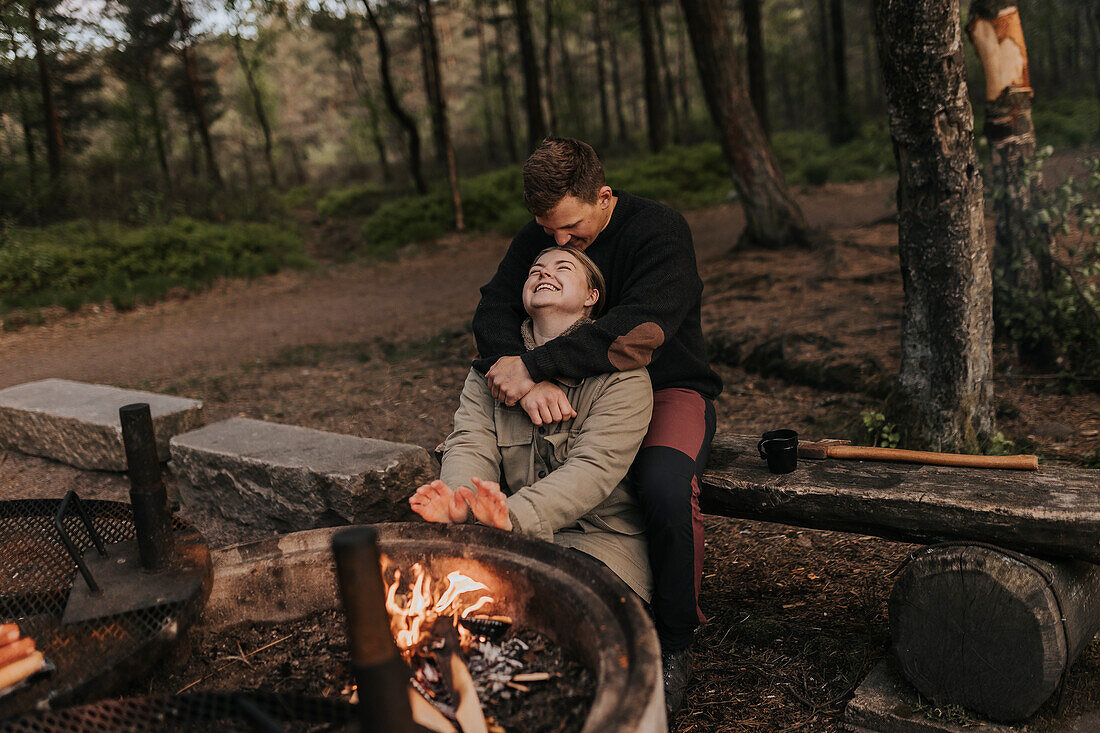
[635, 348]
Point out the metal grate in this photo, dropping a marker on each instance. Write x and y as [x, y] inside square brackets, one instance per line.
[216, 712]
[94, 657]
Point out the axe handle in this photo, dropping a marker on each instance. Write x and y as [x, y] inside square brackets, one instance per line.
[1022, 462]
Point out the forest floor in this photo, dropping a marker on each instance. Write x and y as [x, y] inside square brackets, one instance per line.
[804, 339]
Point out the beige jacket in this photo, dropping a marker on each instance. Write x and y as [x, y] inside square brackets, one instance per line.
[566, 481]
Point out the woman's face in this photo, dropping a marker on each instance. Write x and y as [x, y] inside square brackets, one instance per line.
[558, 282]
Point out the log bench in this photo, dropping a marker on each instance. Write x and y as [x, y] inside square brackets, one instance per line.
[996, 610]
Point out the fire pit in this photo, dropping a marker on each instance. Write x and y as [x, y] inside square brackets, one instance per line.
[575, 602]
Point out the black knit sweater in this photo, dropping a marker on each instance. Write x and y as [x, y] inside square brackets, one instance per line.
[651, 314]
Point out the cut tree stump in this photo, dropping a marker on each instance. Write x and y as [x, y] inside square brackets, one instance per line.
[991, 630]
[1052, 512]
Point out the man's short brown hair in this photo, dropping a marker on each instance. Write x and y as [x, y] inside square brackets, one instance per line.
[560, 167]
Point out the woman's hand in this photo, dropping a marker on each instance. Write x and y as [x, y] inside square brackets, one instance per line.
[437, 502]
[489, 504]
[546, 403]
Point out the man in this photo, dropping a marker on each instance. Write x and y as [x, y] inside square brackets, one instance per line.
[651, 319]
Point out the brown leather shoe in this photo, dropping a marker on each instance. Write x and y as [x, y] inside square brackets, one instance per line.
[676, 671]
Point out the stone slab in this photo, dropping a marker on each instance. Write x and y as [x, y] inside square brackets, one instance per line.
[286, 478]
[885, 703]
[77, 423]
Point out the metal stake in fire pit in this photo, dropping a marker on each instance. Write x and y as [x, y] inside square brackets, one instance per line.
[152, 519]
[159, 568]
[381, 675]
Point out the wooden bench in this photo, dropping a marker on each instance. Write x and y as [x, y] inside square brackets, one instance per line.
[980, 620]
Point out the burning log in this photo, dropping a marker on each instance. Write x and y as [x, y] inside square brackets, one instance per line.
[456, 676]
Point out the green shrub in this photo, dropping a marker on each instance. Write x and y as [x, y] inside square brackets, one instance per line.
[361, 200]
[808, 158]
[79, 262]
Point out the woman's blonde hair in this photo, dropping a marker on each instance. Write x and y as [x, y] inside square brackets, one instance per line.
[591, 271]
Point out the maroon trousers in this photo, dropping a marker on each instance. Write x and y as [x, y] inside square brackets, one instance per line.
[666, 476]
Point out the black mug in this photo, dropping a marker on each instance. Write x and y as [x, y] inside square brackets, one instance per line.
[780, 449]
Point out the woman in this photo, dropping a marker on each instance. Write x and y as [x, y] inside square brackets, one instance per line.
[565, 481]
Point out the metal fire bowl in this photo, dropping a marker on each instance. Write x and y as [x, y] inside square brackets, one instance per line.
[576, 601]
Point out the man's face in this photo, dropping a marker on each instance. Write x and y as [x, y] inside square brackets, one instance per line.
[577, 222]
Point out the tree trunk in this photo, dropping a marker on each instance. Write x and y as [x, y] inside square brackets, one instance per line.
[772, 217]
[438, 101]
[990, 630]
[548, 65]
[412, 136]
[842, 130]
[682, 77]
[366, 96]
[491, 149]
[532, 97]
[944, 393]
[1023, 255]
[194, 93]
[1094, 34]
[574, 97]
[504, 79]
[666, 73]
[24, 112]
[601, 74]
[257, 106]
[55, 144]
[617, 87]
[754, 50]
[150, 93]
[654, 109]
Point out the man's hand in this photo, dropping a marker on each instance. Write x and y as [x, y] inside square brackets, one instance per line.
[546, 403]
[489, 504]
[436, 502]
[509, 380]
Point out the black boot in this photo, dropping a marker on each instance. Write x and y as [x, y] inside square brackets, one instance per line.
[676, 671]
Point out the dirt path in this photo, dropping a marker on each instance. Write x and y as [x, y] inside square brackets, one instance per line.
[419, 295]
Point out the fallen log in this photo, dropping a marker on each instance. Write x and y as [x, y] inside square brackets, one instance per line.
[1053, 511]
[991, 630]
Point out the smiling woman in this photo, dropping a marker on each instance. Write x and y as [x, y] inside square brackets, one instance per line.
[564, 477]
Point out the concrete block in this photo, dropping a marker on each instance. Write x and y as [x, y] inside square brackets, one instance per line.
[885, 703]
[286, 478]
[77, 423]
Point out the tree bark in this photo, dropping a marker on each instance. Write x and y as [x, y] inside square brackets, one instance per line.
[772, 217]
[257, 106]
[532, 97]
[601, 73]
[55, 144]
[654, 108]
[24, 112]
[944, 392]
[504, 80]
[194, 93]
[1023, 255]
[754, 51]
[407, 123]
[438, 101]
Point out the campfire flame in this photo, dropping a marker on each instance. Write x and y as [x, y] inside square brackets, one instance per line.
[412, 613]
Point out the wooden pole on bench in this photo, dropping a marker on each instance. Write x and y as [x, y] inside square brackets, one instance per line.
[990, 629]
